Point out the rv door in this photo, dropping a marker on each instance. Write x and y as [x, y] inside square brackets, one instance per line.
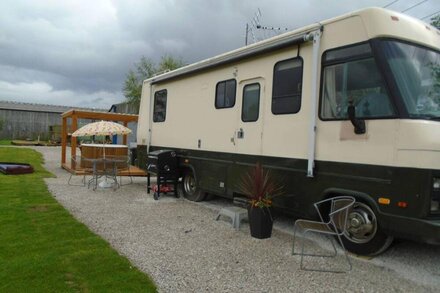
[249, 132]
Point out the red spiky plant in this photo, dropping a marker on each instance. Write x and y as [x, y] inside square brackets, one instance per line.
[259, 187]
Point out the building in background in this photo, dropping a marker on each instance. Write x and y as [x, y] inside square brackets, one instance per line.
[33, 121]
[126, 108]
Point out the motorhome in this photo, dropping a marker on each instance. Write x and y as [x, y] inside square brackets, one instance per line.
[346, 106]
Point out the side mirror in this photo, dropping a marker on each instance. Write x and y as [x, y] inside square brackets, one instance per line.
[359, 124]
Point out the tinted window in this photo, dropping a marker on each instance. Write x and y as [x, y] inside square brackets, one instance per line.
[225, 94]
[287, 84]
[357, 81]
[251, 103]
[160, 106]
[348, 52]
[416, 72]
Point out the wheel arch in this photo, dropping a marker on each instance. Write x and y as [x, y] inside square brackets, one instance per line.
[358, 195]
[186, 166]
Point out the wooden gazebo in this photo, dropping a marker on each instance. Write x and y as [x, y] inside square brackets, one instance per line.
[73, 115]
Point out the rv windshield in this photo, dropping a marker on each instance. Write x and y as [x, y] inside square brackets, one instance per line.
[416, 71]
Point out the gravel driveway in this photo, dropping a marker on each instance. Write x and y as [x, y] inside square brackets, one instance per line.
[180, 245]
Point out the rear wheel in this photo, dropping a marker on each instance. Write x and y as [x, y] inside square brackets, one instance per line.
[364, 235]
[191, 190]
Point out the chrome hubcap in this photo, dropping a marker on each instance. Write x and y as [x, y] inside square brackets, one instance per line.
[362, 224]
[189, 184]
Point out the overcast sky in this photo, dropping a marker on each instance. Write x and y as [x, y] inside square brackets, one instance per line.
[77, 52]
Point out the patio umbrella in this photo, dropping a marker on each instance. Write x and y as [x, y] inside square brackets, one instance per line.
[102, 128]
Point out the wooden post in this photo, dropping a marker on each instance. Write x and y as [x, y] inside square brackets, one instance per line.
[63, 141]
[124, 137]
[73, 139]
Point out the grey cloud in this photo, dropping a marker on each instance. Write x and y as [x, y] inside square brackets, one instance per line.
[85, 48]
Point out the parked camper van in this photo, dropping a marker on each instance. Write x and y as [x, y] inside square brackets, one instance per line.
[348, 106]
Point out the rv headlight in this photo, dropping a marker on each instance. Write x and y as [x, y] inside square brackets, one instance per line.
[436, 184]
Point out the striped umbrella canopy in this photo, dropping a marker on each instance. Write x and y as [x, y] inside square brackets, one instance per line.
[102, 128]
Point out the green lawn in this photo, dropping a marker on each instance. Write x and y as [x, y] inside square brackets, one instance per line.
[5, 142]
[44, 249]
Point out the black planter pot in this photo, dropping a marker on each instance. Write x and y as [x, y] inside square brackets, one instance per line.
[260, 222]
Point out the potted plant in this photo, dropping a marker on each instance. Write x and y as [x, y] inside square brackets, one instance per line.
[259, 187]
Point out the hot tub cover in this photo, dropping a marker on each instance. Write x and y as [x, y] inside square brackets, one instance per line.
[15, 168]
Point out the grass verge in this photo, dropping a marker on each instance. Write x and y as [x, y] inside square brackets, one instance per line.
[44, 249]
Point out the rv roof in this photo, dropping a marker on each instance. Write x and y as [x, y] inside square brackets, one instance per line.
[294, 37]
[274, 43]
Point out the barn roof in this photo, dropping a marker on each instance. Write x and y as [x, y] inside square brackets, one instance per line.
[30, 107]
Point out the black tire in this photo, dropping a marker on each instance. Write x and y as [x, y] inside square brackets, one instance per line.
[190, 187]
[364, 235]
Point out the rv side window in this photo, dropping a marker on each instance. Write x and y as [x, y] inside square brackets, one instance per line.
[160, 106]
[251, 102]
[287, 84]
[225, 94]
[350, 75]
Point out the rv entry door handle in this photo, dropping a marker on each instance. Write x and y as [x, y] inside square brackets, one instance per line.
[240, 133]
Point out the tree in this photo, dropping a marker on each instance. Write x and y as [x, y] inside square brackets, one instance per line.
[435, 21]
[168, 63]
[145, 69]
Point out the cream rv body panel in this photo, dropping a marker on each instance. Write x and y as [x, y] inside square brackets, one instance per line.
[144, 122]
[418, 144]
[376, 147]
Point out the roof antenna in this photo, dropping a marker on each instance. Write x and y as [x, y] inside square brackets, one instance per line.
[253, 25]
[256, 25]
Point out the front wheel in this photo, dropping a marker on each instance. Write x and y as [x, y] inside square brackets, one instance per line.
[191, 190]
[363, 235]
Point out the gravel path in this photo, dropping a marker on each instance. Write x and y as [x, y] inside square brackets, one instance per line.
[180, 245]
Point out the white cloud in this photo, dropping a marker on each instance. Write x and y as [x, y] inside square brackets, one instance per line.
[43, 93]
